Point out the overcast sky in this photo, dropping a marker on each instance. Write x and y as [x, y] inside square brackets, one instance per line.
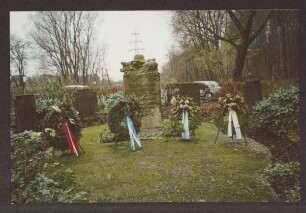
[115, 29]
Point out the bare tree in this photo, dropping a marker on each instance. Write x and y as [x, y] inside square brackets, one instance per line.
[204, 28]
[19, 58]
[247, 36]
[66, 42]
[201, 29]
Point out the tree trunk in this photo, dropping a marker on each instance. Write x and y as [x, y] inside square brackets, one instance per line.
[84, 78]
[239, 62]
[22, 84]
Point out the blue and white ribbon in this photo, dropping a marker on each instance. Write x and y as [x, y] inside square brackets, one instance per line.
[185, 122]
[132, 133]
[233, 118]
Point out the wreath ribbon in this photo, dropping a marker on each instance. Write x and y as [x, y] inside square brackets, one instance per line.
[132, 133]
[73, 145]
[185, 122]
[233, 119]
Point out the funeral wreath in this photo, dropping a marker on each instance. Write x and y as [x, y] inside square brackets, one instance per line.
[183, 104]
[117, 107]
[234, 103]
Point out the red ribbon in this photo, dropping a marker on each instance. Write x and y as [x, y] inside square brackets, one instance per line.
[73, 145]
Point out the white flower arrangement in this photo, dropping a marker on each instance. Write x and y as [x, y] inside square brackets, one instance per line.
[234, 102]
[184, 103]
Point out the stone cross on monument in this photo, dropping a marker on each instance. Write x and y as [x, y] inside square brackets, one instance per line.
[142, 78]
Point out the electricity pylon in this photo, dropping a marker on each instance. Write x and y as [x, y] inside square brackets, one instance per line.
[136, 42]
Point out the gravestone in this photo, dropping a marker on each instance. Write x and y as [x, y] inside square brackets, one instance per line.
[143, 79]
[252, 92]
[85, 101]
[191, 90]
[25, 111]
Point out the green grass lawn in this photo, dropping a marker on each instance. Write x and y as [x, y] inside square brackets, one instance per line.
[171, 171]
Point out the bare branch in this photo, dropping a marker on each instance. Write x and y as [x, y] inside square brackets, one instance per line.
[65, 39]
[236, 21]
[259, 30]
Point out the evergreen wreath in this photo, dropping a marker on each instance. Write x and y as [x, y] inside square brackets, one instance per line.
[54, 120]
[116, 107]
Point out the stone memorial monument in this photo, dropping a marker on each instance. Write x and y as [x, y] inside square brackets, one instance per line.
[143, 79]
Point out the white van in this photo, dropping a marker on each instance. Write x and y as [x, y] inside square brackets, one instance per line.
[213, 85]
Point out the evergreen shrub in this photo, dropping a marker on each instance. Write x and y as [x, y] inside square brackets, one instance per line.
[35, 177]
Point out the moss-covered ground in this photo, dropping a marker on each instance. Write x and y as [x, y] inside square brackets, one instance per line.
[171, 170]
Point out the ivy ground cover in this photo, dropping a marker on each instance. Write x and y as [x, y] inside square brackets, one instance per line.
[171, 170]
